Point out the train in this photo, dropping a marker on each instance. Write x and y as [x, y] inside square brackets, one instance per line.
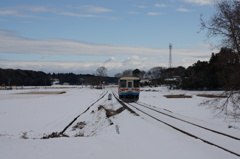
[128, 88]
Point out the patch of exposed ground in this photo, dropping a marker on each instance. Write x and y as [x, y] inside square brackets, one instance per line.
[44, 92]
[110, 112]
[212, 95]
[100, 120]
[95, 122]
[54, 135]
[178, 96]
[150, 90]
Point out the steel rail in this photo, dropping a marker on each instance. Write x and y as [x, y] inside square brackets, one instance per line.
[128, 105]
[191, 123]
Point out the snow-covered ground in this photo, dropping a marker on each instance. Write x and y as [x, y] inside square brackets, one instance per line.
[26, 118]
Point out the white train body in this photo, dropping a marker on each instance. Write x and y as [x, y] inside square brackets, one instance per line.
[128, 88]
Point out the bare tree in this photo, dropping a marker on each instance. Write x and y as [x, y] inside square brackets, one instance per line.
[118, 75]
[127, 72]
[226, 105]
[225, 23]
[155, 73]
[100, 73]
[138, 73]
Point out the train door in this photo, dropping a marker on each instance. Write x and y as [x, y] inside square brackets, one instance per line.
[129, 84]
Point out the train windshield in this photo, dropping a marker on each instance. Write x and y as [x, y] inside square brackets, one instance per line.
[123, 83]
[136, 83]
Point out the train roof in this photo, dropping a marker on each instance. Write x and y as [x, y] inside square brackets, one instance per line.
[129, 77]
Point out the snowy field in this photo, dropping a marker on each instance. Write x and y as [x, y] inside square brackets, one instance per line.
[26, 116]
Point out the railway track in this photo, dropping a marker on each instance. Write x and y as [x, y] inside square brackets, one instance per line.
[223, 141]
[101, 96]
[61, 134]
[171, 115]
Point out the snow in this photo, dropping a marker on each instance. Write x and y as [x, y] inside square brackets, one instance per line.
[96, 136]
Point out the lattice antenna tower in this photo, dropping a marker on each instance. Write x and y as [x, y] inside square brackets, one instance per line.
[170, 55]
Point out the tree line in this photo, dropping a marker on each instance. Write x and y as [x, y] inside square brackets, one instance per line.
[220, 72]
[12, 77]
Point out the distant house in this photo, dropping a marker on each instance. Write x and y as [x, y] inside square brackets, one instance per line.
[174, 79]
[144, 82]
[55, 81]
[173, 82]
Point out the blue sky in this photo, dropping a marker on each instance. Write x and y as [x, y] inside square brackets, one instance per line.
[79, 36]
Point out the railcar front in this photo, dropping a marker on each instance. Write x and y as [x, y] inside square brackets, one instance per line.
[128, 88]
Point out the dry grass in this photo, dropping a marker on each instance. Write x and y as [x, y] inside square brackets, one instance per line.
[211, 95]
[178, 96]
[150, 90]
[46, 92]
